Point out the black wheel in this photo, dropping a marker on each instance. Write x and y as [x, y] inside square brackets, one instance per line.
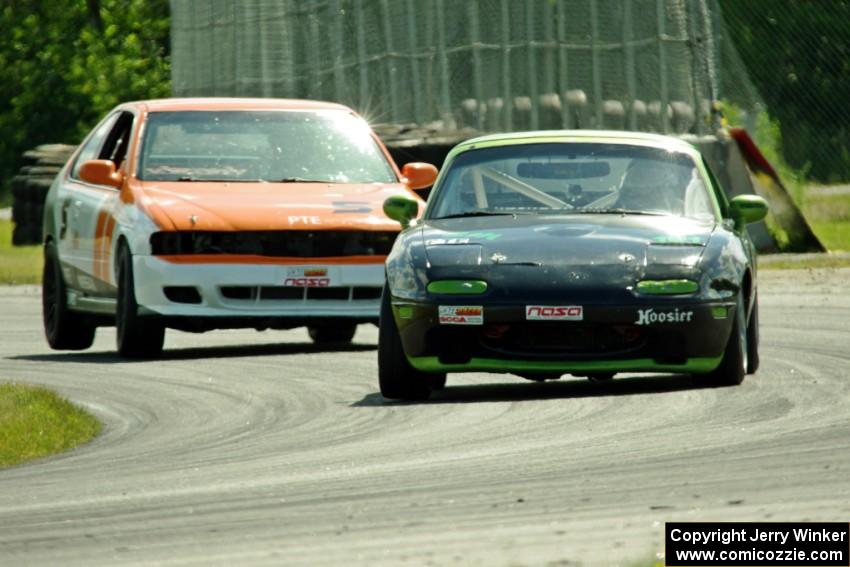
[137, 337]
[733, 367]
[396, 377]
[753, 338]
[64, 329]
[338, 332]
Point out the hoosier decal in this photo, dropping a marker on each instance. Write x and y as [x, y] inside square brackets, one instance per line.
[651, 316]
[554, 313]
[461, 315]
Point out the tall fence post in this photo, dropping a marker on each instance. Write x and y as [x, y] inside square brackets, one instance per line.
[389, 59]
[445, 95]
[362, 63]
[475, 40]
[338, 51]
[314, 48]
[595, 65]
[417, 87]
[563, 65]
[533, 89]
[692, 12]
[629, 61]
[661, 18]
[712, 54]
[508, 104]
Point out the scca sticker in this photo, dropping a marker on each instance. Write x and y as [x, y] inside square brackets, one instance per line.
[554, 313]
[461, 315]
[651, 316]
[307, 277]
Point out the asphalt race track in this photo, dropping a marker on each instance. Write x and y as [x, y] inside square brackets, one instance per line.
[255, 448]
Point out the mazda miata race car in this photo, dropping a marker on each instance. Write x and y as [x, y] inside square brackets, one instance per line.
[201, 214]
[579, 252]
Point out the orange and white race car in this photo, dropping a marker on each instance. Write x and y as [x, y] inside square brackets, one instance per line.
[200, 214]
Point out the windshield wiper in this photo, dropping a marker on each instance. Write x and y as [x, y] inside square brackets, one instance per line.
[299, 180]
[478, 214]
[614, 212]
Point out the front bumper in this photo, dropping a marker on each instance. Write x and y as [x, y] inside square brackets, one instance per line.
[668, 335]
[256, 290]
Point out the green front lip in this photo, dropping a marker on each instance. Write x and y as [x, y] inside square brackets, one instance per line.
[692, 366]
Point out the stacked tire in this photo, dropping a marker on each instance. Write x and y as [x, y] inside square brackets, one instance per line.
[29, 188]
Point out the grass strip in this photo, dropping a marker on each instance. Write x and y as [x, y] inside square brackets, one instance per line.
[18, 264]
[803, 261]
[36, 422]
[829, 214]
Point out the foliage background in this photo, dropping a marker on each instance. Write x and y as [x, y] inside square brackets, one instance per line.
[65, 63]
[797, 54]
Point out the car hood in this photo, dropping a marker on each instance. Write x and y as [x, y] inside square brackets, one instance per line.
[568, 250]
[233, 206]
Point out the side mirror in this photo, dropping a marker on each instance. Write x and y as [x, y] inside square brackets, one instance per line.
[419, 175]
[402, 209]
[101, 172]
[746, 209]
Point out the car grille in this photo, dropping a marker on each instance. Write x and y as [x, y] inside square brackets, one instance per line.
[286, 243]
[535, 340]
[559, 338]
[284, 293]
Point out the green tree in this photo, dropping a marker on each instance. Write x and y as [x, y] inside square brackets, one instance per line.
[797, 53]
[65, 63]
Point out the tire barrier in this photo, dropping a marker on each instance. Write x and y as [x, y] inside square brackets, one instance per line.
[29, 189]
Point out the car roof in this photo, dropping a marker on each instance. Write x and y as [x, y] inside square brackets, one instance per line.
[225, 103]
[579, 136]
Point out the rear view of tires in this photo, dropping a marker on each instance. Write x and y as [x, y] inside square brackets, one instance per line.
[734, 365]
[64, 329]
[753, 338]
[137, 337]
[398, 380]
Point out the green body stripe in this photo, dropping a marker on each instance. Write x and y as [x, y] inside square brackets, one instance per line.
[693, 365]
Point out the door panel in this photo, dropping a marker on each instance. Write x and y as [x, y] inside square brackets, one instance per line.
[91, 213]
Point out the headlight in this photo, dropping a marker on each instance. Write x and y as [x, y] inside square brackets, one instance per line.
[458, 287]
[667, 287]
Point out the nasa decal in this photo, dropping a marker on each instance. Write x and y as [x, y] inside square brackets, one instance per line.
[554, 312]
[307, 277]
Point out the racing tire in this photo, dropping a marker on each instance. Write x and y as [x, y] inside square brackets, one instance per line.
[398, 380]
[436, 381]
[753, 338]
[64, 329]
[136, 337]
[733, 366]
[337, 333]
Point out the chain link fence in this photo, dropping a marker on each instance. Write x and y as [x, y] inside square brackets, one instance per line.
[490, 65]
[496, 65]
[792, 60]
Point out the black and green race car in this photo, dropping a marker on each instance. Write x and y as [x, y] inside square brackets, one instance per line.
[573, 252]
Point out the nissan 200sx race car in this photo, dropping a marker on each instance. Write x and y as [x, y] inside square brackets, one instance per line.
[578, 252]
[201, 214]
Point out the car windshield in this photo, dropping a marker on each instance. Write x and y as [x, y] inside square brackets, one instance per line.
[572, 178]
[273, 146]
